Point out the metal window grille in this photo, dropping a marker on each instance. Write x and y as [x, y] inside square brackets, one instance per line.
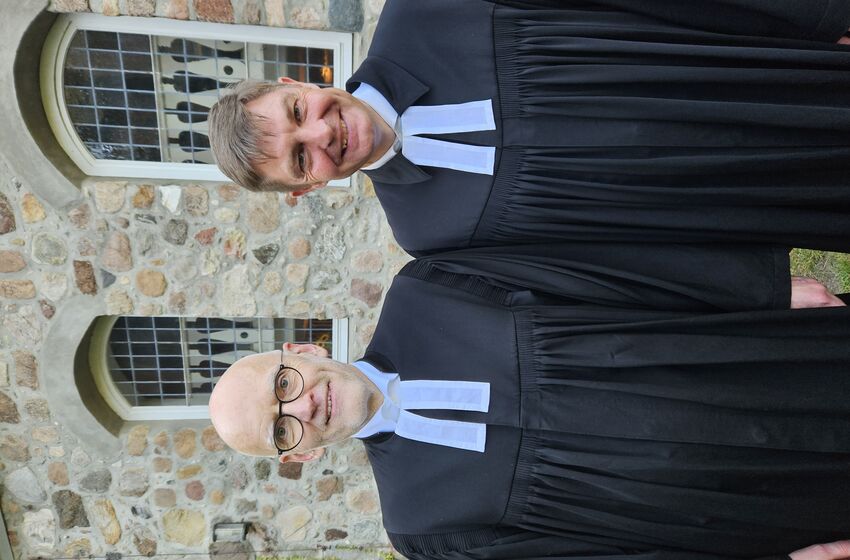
[146, 97]
[157, 361]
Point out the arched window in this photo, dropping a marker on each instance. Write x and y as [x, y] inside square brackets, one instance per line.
[159, 368]
[129, 97]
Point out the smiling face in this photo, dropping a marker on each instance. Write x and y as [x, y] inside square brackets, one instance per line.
[311, 135]
[336, 402]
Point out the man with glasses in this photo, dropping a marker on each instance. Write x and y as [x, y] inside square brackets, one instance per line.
[585, 414]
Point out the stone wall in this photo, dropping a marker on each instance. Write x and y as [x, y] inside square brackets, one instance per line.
[337, 15]
[165, 248]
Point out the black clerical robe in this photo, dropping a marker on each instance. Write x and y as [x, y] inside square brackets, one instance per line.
[642, 431]
[621, 120]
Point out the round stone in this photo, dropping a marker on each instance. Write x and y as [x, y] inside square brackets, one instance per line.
[38, 409]
[8, 410]
[57, 473]
[367, 261]
[195, 490]
[175, 231]
[266, 253]
[80, 216]
[368, 292]
[211, 440]
[262, 469]
[24, 486]
[118, 302]
[185, 443]
[17, 289]
[189, 471]
[144, 541]
[97, 481]
[196, 200]
[11, 261]
[185, 527]
[53, 285]
[237, 295]
[144, 197]
[272, 282]
[31, 209]
[69, 506]
[234, 243]
[296, 274]
[226, 215]
[103, 515]
[217, 497]
[137, 440]
[206, 236]
[299, 248]
[151, 283]
[48, 249]
[109, 196]
[293, 523]
[39, 532]
[116, 255]
[7, 216]
[133, 482]
[84, 277]
[263, 212]
[164, 497]
[362, 501]
[229, 192]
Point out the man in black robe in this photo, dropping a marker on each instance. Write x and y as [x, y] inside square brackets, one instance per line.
[620, 422]
[487, 123]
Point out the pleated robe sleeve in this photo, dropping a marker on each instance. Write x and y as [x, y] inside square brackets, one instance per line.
[527, 545]
[635, 276]
[814, 20]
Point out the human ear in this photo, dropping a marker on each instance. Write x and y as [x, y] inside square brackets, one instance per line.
[305, 190]
[290, 81]
[291, 348]
[311, 455]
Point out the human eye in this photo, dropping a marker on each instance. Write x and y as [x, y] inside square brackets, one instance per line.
[281, 434]
[283, 385]
[302, 159]
[296, 112]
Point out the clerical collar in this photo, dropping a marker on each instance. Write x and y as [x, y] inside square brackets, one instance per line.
[402, 396]
[372, 97]
[434, 119]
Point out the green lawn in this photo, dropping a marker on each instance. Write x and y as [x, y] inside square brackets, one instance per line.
[833, 269]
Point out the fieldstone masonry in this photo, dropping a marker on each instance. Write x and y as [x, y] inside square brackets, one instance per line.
[149, 247]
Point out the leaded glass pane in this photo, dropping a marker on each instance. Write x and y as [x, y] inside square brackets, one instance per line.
[158, 361]
[146, 98]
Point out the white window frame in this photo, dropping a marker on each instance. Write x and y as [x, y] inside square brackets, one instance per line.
[98, 348]
[53, 60]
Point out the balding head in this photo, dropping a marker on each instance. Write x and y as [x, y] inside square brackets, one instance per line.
[337, 400]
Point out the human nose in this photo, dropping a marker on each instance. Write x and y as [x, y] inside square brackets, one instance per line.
[317, 133]
[304, 407]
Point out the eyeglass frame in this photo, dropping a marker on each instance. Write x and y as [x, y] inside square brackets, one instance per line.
[280, 403]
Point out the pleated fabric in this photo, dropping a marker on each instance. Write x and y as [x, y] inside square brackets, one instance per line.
[722, 434]
[620, 127]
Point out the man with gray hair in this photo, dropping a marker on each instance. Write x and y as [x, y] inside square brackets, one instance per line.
[516, 121]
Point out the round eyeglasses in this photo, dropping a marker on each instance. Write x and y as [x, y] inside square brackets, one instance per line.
[288, 386]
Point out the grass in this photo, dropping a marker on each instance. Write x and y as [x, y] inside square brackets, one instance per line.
[831, 269]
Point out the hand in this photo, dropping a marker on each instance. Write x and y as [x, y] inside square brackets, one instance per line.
[808, 292]
[829, 551]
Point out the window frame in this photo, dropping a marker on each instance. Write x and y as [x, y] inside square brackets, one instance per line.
[115, 400]
[53, 60]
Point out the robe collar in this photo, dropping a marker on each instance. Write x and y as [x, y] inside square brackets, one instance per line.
[401, 89]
